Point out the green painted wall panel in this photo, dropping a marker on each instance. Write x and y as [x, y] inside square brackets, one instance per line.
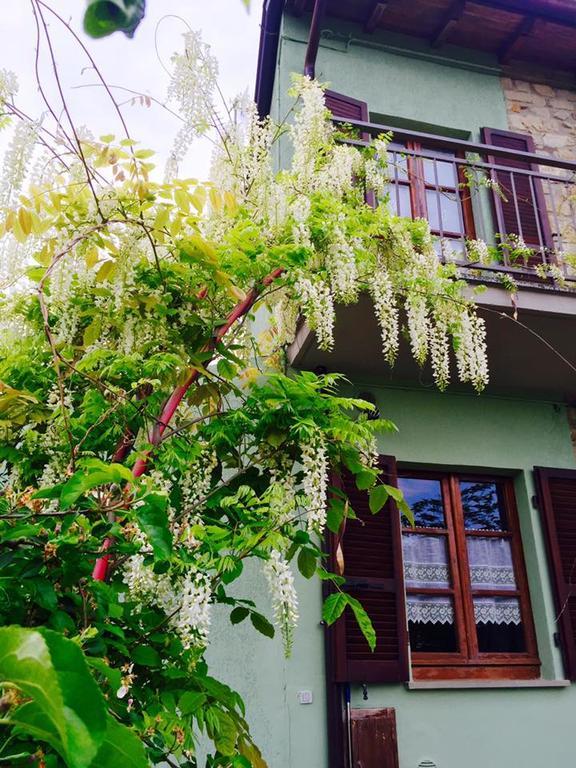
[438, 93]
[528, 728]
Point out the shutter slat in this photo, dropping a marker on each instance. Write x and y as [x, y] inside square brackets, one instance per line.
[523, 213]
[372, 552]
[557, 500]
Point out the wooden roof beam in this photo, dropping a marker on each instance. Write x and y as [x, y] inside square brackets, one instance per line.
[375, 16]
[449, 21]
[522, 30]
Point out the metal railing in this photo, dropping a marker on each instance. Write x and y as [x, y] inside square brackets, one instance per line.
[522, 203]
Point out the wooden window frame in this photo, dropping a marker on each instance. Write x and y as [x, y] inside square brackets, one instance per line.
[418, 186]
[468, 662]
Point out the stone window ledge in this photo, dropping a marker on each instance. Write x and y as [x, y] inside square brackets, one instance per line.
[435, 685]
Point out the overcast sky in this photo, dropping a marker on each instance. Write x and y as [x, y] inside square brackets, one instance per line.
[231, 30]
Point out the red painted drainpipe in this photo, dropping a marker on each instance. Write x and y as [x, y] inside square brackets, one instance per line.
[314, 39]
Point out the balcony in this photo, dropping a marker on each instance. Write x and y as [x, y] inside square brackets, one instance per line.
[522, 205]
[519, 202]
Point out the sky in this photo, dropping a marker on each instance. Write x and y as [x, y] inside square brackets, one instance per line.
[231, 30]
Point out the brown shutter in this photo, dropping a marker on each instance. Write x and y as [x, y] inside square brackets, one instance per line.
[523, 213]
[372, 552]
[557, 502]
[350, 109]
[374, 741]
[346, 106]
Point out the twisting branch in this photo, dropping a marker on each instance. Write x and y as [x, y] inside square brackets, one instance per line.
[241, 309]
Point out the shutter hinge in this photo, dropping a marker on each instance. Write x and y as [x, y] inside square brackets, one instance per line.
[535, 502]
[556, 638]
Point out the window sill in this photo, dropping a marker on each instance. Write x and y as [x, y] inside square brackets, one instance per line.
[434, 685]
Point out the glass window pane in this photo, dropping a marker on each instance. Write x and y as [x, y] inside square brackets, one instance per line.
[431, 623]
[397, 162]
[446, 174]
[483, 506]
[450, 249]
[425, 561]
[449, 206]
[399, 199]
[425, 499]
[490, 563]
[499, 625]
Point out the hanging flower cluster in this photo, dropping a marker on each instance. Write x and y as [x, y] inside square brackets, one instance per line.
[315, 481]
[318, 306]
[386, 310]
[185, 601]
[192, 86]
[284, 597]
[471, 351]
[341, 262]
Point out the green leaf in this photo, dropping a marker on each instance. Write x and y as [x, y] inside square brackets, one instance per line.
[239, 614]
[226, 370]
[378, 497]
[103, 17]
[336, 514]
[92, 332]
[363, 620]
[334, 606]
[191, 701]
[262, 624]
[153, 519]
[401, 502]
[307, 563]
[146, 656]
[121, 748]
[226, 734]
[66, 709]
[365, 479]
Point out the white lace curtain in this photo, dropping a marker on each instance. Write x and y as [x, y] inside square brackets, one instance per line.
[426, 565]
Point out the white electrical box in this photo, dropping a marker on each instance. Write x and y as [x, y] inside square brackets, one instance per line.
[305, 697]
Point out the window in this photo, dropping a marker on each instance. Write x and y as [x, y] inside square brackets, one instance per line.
[426, 183]
[451, 589]
[467, 603]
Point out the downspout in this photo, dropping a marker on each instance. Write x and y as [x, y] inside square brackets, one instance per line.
[267, 54]
[314, 39]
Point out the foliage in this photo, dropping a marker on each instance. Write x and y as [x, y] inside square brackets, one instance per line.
[147, 425]
[104, 17]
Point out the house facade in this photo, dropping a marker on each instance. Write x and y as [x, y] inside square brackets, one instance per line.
[473, 606]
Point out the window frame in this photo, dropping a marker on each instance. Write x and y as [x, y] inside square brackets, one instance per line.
[468, 662]
[415, 180]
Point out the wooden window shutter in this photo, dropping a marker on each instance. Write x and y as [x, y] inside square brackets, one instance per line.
[374, 741]
[523, 213]
[371, 550]
[557, 502]
[350, 109]
[346, 106]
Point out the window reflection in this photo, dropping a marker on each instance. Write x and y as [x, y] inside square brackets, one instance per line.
[425, 499]
[482, 506]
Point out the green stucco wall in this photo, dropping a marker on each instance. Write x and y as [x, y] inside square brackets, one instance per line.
[398, 78]
[491, 728]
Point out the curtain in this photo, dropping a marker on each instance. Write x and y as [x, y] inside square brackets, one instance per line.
[426, 565]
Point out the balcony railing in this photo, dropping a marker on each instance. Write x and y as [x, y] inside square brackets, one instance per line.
[522, 204]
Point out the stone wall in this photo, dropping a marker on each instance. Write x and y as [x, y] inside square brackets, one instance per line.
[549, 115]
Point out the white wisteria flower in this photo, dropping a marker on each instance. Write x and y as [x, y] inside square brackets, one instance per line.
[284, 597]
[315, 482]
